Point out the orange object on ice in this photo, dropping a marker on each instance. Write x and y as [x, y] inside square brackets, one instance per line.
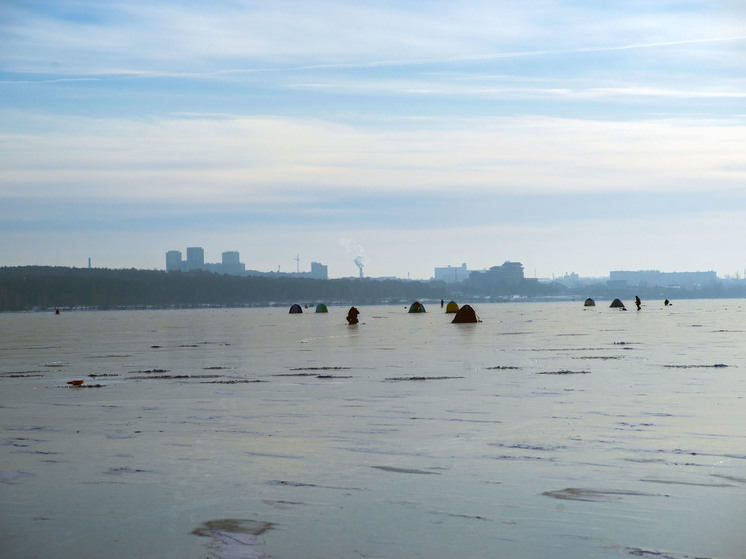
[75, 382]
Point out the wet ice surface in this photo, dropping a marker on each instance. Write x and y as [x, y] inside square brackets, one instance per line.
[548, 430]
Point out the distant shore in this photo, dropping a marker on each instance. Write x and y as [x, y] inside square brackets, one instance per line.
[40, 288]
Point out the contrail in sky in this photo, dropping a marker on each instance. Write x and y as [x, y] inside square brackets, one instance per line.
[134, 74]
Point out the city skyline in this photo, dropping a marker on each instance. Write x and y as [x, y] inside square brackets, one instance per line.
[231, 264]
[570, 136]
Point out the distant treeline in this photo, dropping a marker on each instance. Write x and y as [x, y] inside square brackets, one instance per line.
[31, 287]
[44, 287]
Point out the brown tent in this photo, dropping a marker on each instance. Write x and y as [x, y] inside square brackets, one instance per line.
[466, 315]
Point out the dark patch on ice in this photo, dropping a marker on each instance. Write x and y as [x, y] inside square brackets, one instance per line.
[457, 515]
[33, 428]
[234, 526]
[271, 455]
[97, 375]
[282, 505]
[174, 377]
[635, 426]
[506, 457]
[107, 356]
[419, 378]
[217, 368]
[503, 368]
[564, 349]
[76, 387]
[454, 419]
[730, 478]
[233, 381]
[285, 483]
[55, 364]
[690, 483]
[42, 452]
[715, 366]
[594, 495]
[10, 477]
[403, 470]
[233, 538]
[310, 375]
[525, 446]
[21, 375]
[639, 552]
[564, 372]
[601, 357]
[204, 344]
[320, 368]
[20, 442]
[126, 470]
[31, 347]
[149, 371]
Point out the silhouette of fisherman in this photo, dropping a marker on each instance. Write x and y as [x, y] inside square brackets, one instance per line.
[638, 302]
[352, 315]
[666, 302]
[441, 303]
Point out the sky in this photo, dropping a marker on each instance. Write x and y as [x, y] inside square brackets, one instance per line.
[573, 136]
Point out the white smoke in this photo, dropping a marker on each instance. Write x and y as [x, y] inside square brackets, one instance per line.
[356, 251]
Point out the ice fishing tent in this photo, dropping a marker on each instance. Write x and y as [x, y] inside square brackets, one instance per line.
[451, 307]
[417, 307]
[466, 315]
[321, 307]
[295, 309]
[616, 304]
[589, 302]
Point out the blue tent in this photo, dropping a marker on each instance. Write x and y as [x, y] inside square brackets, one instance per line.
[417, 307]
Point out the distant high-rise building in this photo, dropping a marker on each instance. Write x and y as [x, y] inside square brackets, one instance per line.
[509, 274]
[231, 263]
[195, 258]
[451, 274]
[173, 261]
[319, 271]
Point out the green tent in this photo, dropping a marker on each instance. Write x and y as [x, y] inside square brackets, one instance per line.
[321, 307]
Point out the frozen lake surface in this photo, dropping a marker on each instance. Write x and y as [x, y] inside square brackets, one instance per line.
[549, 430]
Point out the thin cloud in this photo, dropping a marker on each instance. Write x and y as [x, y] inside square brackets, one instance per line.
[145, 74]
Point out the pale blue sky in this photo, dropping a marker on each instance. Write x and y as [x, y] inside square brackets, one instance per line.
[571, 136]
